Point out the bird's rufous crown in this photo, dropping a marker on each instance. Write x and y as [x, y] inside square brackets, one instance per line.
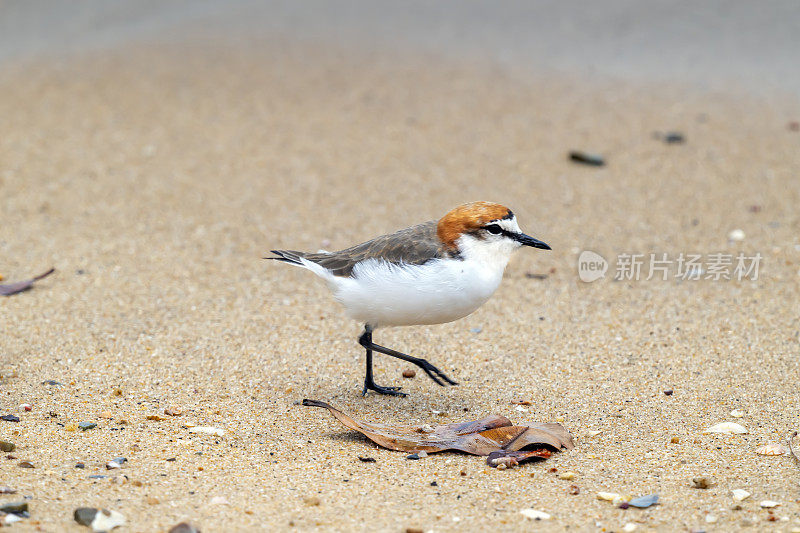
[468, 217]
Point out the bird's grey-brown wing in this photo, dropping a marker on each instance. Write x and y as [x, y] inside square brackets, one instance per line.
[414, 246]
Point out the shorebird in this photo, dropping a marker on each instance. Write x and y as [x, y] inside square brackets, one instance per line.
[431, 273]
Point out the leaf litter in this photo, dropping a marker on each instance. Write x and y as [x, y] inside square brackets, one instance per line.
[7, 289]
[494, 436]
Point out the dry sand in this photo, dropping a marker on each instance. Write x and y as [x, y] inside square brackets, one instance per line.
[154, 178]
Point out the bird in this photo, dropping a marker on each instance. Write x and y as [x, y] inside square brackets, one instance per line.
[431, 273]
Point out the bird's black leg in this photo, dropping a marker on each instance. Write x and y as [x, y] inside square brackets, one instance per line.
[434, 373]
[365, 340]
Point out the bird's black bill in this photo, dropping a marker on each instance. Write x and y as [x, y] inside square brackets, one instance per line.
[527, 240]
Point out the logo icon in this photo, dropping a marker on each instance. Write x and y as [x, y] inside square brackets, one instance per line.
[591, 266]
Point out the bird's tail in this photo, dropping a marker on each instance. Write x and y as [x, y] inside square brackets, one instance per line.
[287, 256]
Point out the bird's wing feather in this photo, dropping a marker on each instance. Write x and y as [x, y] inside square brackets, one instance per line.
[413, 246]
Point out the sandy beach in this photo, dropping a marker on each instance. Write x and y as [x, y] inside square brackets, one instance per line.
[155, 175]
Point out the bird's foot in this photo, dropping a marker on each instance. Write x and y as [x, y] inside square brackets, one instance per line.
[434, 373]
[390, 391]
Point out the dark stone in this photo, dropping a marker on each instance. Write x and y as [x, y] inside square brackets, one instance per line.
[668, 392]
[10, 418]
[586, 158]
[674, 137]
[15, 507]
[85, 515]
[367, 459]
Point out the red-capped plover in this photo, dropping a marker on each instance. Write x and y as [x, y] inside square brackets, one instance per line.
[431, 273]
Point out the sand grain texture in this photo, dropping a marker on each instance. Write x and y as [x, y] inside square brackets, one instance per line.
[154, 178]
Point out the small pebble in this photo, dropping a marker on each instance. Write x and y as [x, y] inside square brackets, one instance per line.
[702, 482]
[86, 425]
[98, 519]
[84, 515]
[409, 373]
[630, 526]
[727, 428]
[574, 490]
[586, 158]
[612, 497]
[736, 413]
[423, 454]
[115, 463]
[567, 476]
[7, 490]
[10, 418]
[771, 449]
[367, 459]
[120, 479]
[668, 392]
[14, 507]
[173, 412]
[711, 519]
[9, 519]
[413, 457]
[26, 407]
[184, 527]
[7, 446]
[157, 418]
[768, 504]
[533, 514]
[675, 440]
[674, 137]
[25, 464]
[736, 235]
[312, 501]
[643, 502]
[80, 465]
[740, 494]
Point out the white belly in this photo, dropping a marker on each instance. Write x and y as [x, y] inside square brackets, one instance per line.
[381, 294]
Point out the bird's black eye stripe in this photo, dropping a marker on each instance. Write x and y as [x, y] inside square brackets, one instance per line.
[494, 229]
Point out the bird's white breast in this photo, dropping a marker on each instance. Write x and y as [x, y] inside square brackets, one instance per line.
[442, 290]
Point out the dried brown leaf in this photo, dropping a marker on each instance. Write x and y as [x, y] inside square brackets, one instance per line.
[478, 437]
[8, 289]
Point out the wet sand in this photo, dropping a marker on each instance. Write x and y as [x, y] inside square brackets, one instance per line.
[155, 177]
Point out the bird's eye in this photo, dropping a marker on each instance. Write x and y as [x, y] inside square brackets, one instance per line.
[494, 229]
